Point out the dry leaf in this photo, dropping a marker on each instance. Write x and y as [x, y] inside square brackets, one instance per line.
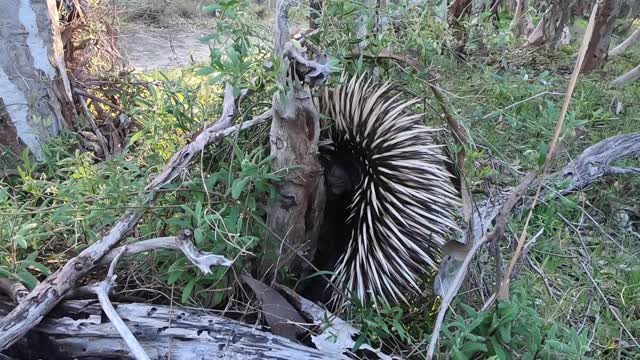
[283, 318]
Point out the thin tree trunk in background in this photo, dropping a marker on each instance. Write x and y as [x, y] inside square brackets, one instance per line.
[315, 13]
[548, 32]
[495, 10]
[458, 10]
[598, 49]
[33, 83]
[441, 11]
[633, 39]
[520, 17]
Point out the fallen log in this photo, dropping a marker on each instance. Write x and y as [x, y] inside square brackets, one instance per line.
[77, 329]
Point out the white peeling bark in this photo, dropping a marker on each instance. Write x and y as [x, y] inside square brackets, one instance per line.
[33, 82]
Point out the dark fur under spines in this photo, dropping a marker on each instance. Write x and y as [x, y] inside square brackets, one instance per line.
[401, 204]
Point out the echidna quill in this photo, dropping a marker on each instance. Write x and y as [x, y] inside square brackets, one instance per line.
[389, 193]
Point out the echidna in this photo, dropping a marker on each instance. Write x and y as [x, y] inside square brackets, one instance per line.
[398, 203]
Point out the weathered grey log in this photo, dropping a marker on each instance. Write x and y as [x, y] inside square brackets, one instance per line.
[77, 330]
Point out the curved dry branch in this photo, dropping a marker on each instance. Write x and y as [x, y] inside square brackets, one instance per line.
[182, 242]
[102, 290]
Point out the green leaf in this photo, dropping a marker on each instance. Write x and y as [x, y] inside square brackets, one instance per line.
[27, 279]
[188, 289]
[505, 333]
[400, 329]
[498, 350]
[361, 339]
[4, 195]
[218, 296]
[238, 186]
[198, 235]
[174, 276]
[25, 264]
[472, 348]
[560, 347]
[20, 241]
[205, 70]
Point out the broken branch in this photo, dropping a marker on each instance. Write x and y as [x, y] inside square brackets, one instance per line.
[102, 290]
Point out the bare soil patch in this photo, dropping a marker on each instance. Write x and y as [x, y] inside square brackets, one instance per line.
[149, 48]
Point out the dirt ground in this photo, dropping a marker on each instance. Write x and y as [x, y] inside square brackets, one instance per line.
[156, 48]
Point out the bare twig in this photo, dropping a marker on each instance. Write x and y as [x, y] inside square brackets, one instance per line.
[89, 95]
[94, 127]
[203, 261]
[102, 290]
[184, 156]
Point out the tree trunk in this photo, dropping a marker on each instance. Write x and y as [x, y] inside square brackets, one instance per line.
[521, 19]
[629, 42]
[315, 12]
[442, 10]
[295, 215]
[33, 83]
[596, 55]
[458, 10]
[548, 32]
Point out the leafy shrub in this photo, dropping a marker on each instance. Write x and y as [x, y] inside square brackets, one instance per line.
[513, 330]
